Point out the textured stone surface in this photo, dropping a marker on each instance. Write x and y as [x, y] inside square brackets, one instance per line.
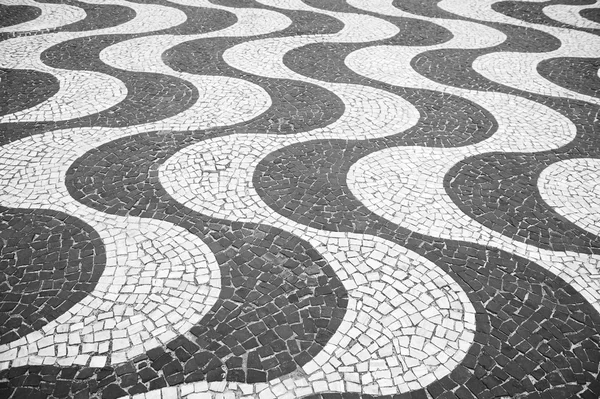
[297, 198]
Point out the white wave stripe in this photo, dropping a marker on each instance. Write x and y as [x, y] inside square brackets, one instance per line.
[369, 112]
[518, 70]
[545, 128]
[418, 345]
[377, 112]
[148, 18]
[222, 100]
[159, 279]
[53, 16]
[569, 14]
[523, 126]
[468, 35]
[81, 93]
[572, 188]
[406, 186]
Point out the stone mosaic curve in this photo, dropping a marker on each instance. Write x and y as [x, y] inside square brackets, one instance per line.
[558, 14]
[571, 14]
[586, 81]
[51, 16]
[211, 259]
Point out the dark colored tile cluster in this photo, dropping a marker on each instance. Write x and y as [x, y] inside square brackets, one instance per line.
[593, 14]
[280, 303]
[17, 14]
[48, 262]
[98, 16]
[532, 12]
[21, 89]
[507, 200]
[576, 74]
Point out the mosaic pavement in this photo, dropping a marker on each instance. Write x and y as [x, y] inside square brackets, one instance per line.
[299, 199]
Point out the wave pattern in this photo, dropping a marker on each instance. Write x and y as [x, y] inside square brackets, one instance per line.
[294, 198]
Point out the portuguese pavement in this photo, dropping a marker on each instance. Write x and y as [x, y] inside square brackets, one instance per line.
[299, 199]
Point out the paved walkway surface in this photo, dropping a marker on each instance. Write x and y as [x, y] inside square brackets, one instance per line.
[299, 199]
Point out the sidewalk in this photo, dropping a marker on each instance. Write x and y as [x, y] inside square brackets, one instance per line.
[299, 199]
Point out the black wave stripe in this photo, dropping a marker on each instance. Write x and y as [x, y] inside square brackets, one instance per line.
[254, 260]
[332, 5]
[535, 334]
[150, 96]
[98, 16]
[577, 74]
[305, 182]
[293, 112]
[318, 197]
[516, 301]
[426, 8]
[303, 22]
[593, 14]
[452, 67]
[17, 14]
[413, 32]
[280, 304]
[533, 12]
[199, 19]
[296, 106]
[49, 261]
[512, 203]
[21, 89]
[446, 120]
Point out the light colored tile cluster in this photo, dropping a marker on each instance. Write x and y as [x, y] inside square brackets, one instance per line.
[159, 279]
[569, 14]
[407, 324]
[81, 93]
[572, 188]
[221, 100]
